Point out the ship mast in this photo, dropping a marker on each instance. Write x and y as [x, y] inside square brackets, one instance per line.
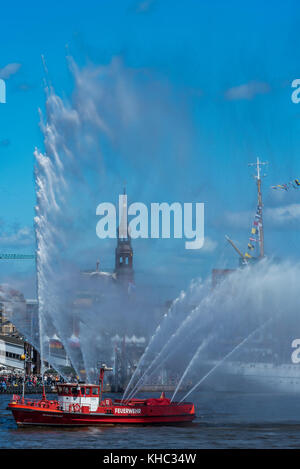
[258, 176]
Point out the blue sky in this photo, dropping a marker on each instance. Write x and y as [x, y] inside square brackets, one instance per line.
[229, 67]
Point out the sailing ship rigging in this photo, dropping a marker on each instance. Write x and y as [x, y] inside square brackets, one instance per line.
[256, 238]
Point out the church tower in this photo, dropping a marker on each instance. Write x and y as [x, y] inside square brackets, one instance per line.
[124, 253]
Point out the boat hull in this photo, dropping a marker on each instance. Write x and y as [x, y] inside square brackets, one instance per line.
[25, 415]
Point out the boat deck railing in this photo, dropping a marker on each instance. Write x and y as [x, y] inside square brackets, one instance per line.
[48, 404]
[41, 403]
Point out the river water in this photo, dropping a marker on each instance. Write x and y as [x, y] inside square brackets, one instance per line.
[224, 420]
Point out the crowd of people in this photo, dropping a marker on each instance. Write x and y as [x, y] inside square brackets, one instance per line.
[13, 380]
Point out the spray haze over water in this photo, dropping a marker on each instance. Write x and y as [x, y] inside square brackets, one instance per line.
[116, 121]
[249, 317]
[113, 111]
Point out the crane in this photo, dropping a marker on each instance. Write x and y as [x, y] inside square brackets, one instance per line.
[235, 247]
[6, 257]
[243, 258]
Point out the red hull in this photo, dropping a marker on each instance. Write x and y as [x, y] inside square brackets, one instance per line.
[146, 411]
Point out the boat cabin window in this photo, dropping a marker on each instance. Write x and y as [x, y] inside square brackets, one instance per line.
[82, 391]
[87, 391]
[59, 389]
[66, 390]
[95, 391]
[75, 391]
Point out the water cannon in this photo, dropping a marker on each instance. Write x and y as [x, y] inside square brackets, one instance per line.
[104, 367]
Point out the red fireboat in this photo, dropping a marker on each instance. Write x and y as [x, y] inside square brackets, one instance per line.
[82, 405]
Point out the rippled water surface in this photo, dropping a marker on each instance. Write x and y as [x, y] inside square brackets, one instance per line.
[224, 420]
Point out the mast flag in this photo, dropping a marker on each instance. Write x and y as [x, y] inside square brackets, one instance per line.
[259, 215]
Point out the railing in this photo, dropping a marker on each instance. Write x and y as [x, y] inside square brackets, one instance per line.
[47, 404]
[40, 403]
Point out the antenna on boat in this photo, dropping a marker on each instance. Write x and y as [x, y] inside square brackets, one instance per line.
[258, 177]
